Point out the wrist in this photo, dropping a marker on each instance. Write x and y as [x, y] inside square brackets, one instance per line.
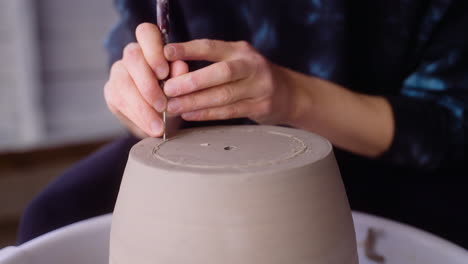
[302, 94]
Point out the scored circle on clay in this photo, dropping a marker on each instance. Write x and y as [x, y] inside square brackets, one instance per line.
[229, 148]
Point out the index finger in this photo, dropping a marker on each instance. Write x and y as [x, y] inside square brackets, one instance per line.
[150, 40]
[200, 49]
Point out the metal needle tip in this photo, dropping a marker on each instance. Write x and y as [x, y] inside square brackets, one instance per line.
[164, 121]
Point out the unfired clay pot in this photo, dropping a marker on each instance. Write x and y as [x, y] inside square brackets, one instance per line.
[243, 195]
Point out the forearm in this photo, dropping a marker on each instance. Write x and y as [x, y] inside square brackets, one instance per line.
[358, 123]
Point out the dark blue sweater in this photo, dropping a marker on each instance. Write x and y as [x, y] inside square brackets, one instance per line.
[413, 52]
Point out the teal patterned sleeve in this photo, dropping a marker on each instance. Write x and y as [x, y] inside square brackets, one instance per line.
[431, 114]
[131, 14]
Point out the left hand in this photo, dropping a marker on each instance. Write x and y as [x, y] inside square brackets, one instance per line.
[240, 83]
[243, 83]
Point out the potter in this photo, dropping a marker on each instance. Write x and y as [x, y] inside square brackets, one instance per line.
[241, 194]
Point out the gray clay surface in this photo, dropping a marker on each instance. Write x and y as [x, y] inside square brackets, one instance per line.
[240, 148]
[241, 194]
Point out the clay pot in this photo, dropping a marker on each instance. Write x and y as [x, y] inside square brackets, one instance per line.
[244, 195]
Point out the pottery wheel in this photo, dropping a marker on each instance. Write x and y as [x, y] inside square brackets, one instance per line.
[236, 148]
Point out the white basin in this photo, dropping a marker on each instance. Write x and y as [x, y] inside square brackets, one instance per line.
[87, 242]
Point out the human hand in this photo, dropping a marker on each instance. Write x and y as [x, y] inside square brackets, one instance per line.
[240, 83]
[132, 92]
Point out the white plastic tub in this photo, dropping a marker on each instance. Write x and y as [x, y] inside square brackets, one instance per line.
[87, 242]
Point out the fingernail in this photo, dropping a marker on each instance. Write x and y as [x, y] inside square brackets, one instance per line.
[189, 115]
[169, 51]
[169, 89]
[160, 105]
[156, 127]
[174, 106]
[161, 72]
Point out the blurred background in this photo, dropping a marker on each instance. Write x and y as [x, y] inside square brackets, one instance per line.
[53, 67]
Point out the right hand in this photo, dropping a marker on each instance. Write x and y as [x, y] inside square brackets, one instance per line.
[132, 92]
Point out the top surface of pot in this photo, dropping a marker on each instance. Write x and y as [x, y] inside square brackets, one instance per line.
[233, 148]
